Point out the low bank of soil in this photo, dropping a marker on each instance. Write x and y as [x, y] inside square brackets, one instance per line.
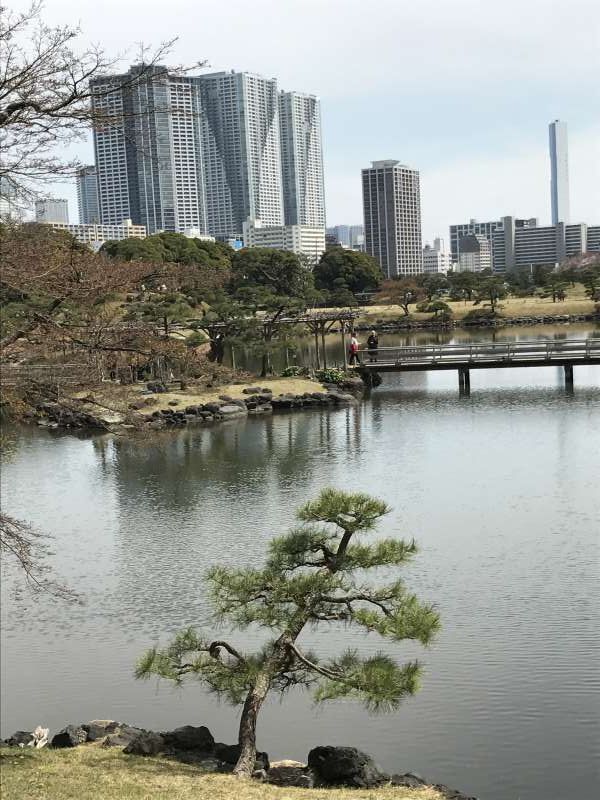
[91, 772]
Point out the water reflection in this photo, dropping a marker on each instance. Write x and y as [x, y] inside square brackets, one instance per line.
[500, 489]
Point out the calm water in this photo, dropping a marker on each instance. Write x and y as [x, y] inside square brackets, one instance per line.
[501, 491]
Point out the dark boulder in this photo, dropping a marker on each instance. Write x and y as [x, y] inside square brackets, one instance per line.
[99, 728]
[189, 737]
[345, 766]
[291, 773]
[71, 736]
[229, 753]
[213, 408]
[409, 779]
[251, 390]
[146, 743]
[19, 738]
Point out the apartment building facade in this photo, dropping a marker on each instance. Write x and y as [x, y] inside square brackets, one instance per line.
[205, 152]
[392, 217]
[87, 196]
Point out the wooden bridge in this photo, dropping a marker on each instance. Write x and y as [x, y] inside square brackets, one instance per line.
[489, 355]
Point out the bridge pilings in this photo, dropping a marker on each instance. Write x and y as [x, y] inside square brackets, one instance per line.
[464, 382]
[568, 368]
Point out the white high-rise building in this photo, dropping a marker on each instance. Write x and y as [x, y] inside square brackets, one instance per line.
[242, 151]
[301, 159]
[392, 212]
[148, 152]
[87, 196]
[435, 258]
[180, 152]
[9, 209]
[52, 210]
[559, 172]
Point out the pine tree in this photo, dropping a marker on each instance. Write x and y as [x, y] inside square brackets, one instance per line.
[316, 574]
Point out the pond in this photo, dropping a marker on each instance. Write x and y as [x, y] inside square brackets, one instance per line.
[500, 489]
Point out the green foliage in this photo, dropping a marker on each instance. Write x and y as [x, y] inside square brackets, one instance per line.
[263, 276]
[432, 283]
[436, 307]
[172, 248]
[330, 375]
[491, 290]
[295, 372]
[346, 271]
[316, 574]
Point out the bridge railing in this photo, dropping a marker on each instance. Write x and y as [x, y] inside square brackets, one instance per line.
[578, 349]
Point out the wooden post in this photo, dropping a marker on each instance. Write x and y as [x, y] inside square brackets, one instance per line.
[323, 343]
[342, 323]
[232, 357]
[317, 347]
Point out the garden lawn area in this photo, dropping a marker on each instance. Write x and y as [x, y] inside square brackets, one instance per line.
[575, 303]
[93, 772]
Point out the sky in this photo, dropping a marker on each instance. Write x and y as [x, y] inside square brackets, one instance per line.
[462, 90]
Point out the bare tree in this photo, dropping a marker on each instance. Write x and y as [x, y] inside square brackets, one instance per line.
[29, 548]
[46, 91]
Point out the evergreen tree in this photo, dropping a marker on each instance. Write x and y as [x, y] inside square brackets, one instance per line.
[316, 574]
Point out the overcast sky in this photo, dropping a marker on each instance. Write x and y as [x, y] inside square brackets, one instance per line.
[463, 90]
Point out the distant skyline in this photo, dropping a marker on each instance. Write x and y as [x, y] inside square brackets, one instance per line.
[454, 90]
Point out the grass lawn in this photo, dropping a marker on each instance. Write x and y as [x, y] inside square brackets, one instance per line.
[96, 773]
[576, 303]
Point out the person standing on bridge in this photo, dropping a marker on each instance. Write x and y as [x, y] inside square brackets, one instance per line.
[354, 358]
[372, 345]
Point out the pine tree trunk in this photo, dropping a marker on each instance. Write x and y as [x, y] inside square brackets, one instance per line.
[247, 733]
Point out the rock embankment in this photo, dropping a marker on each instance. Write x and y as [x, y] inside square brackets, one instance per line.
[326, 766]
[258, 401]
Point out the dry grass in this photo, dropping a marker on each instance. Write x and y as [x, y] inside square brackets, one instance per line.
[117, 397]
[576, 303]
[189, 397]
[96, 773]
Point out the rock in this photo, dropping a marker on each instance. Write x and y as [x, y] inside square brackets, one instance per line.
[251, 390]
[291, 773]
[173, 402]
[345, 766]
[226, 398]
[233, 411]
[410, 779]
[19, 739]
[229, 753]
[99, 728]
[146, 743]
[191, 409]
[157, 387]
[262, 409]
[343, 398]
[213, 408]
[189, 737]
[71, 736]
[111, 418]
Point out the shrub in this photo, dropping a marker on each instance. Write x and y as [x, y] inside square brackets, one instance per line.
[295, 372]
[331, 375]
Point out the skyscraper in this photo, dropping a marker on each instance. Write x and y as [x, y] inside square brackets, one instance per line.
[241, 150]
[148, 151]
[87, 196]
[559, 172]
[181, 152]
[52, 210]
[301, 159]
[392, 211]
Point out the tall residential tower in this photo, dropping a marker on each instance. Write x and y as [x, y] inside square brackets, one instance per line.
[180, 152]
[301, 159]
[559, 172]
[87, 196]
[392, 211]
